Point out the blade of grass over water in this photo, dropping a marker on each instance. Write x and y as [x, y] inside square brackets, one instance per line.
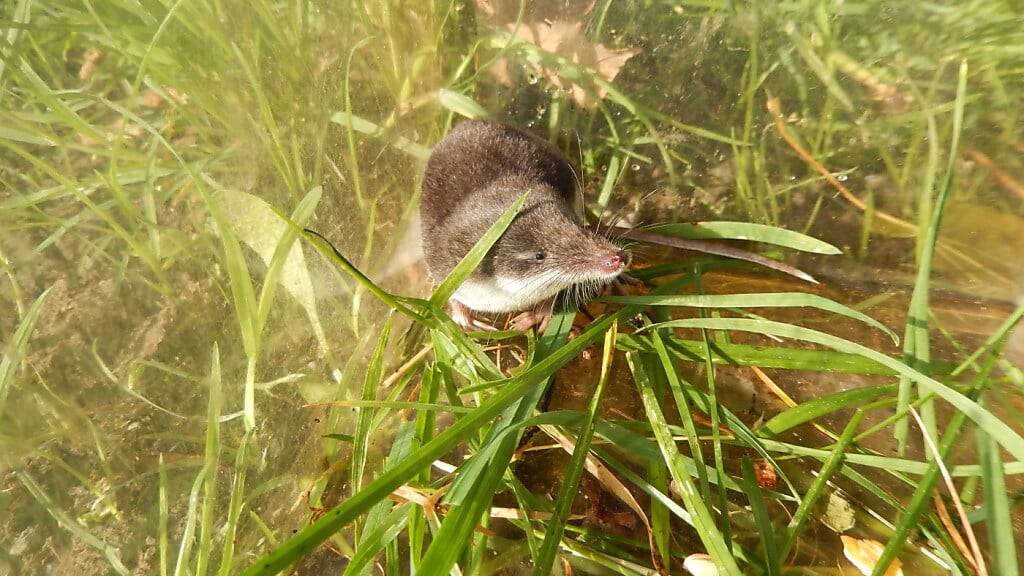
[302, 213]
[163, 515]
[461, 104]
[1008, 438]
[574, 471]
[511, 390]
[111, 553]
[374, 541]
[367, 127]
[693, 500]
[159, 160]
[817, 488]
[353, 154]
[817, 407]
[15, 348]
[998, 508]
[325, 248]
[235, 503]
[916, 338]
[363, 434]
[188, 533]
[926, 485]
[765, 530]
[479, 479]
[211, 462]
[746, 231]
[244, 300]
[716, 248]
[768, 356]
[683, 407]
[762, 300]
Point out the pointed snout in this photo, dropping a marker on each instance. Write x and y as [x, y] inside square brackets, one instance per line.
[614, 262]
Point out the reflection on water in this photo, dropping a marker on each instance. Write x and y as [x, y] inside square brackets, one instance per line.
[123, 137]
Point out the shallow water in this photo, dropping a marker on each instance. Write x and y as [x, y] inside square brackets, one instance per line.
[140, 318]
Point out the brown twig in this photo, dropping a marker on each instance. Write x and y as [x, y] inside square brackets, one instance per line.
[998, 174]
[947, 522]
[979, 560]
[780, 125]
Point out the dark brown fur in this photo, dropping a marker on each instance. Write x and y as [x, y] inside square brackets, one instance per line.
[474, 175]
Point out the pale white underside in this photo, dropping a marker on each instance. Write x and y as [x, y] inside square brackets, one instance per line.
[509, 294]
[502, 294]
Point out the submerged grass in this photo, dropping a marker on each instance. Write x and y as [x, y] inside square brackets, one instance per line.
[165, 167]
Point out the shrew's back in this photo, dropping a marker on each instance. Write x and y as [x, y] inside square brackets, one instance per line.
[477, 154]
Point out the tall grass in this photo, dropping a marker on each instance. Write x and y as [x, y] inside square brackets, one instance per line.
[166, 167]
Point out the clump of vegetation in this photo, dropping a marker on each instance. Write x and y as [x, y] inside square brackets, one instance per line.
[195, 383]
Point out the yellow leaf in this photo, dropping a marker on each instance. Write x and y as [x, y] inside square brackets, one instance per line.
[864, 554]
[700, 565]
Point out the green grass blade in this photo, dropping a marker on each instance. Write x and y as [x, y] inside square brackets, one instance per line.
[817, 488]
[282, 253]
[15, 349]
[683, 407]
[724, 523]
[112, 554]
[761, 300]
[364, 126]
[703, 520]
[20, 17]
[511, 390]
[269, 125]
[350, 136]
[765, 530]
[373, 541]
[917, 337]
[884, 463]
[476, 254]
[235, 503]
[460, 104]
[1007, 437]
[768, 356]
[363, 433]
[480, 478]
[746, 231]
[399, 405]
[243, 297]
[918, 501]
[998, 508]
[818, 407]
[211, 463]
[574, 471]
[646, 487]
[188, 533]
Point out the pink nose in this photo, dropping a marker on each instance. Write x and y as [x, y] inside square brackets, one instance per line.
[614, 262]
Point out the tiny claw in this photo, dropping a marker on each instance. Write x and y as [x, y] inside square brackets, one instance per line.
[529, 319]
[624, 283]
[538, 317]
[484, 326]
[463, 316]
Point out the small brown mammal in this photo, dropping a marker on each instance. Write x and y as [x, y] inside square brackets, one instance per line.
[472, 177]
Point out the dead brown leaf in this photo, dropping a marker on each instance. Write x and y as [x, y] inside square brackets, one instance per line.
[565, 38]
[90, 61]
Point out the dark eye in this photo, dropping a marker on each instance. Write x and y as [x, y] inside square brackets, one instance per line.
[539, 256]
